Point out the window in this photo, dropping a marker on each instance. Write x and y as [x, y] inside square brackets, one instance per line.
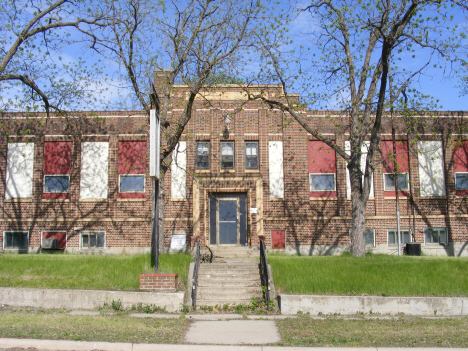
[405, 235]
[275, 169]
[322, 182]
[132, 169]
[56, 170]
[251, 155]
[178, 171]
[15, 240]
[19, 172]
[461, 181]
[227, 155]
[203, 155]
[399, 157]
[94, 170]
[436, 236]
[369, 235]
[92, 240]
[389, 182]
[322, 170]
[60, 237]
[56, 183]
[460, 167]
[431, 168]
[132, 183]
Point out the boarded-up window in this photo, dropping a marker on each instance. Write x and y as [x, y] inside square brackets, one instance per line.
[460, 167]
[61, 238]
[364, 148]
[132, 169]
[94, 170]
[275, 162]
[402, 162]
[19, 172]
[322, 170]
[278, 239]
[56, 170]
[431, 168]
[178, 171]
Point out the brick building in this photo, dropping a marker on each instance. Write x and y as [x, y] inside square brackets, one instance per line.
[241, 172]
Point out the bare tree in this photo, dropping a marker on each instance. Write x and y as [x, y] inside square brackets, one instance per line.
[359, 46]
[35, 73]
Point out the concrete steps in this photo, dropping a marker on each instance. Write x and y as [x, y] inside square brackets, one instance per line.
[232, 278]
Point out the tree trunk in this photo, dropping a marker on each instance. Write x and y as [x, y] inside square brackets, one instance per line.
[358, 226]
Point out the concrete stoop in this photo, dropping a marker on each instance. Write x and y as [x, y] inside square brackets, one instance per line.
[232, 278]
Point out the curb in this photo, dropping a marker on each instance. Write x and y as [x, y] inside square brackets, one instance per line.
[56, 345]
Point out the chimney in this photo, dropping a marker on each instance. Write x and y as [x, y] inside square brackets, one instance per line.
[162, 80]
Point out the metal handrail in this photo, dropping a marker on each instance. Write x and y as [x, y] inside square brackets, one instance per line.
[264, 277]
[195, 276]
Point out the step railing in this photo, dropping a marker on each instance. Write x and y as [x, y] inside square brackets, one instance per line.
[264, 276]
[195, 276]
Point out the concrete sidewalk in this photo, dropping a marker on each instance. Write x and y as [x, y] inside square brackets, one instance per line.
[56, 345]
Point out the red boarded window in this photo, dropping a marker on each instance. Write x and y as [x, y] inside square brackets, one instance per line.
[56, 170]
[132, 169]
[460, 167]
[400, 158]
[278, 239]
[322, 170]
[54, 240]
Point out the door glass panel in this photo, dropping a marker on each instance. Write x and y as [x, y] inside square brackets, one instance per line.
[227, 222]
[227, 210]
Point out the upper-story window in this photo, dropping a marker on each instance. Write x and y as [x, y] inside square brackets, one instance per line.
[395, 161]
[322, 170]
[227, 155]
[203, 155]
[132, 169]
[460, 166]
[56, 169]
[251, 155]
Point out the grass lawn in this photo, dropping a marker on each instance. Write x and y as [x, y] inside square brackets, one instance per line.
[116, 328]
[381, 275]
[399, 332]
[66, 271]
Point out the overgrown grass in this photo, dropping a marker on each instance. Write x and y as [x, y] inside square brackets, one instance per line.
[381, 275]
[398, 332]
[116, 328]
[85, 272]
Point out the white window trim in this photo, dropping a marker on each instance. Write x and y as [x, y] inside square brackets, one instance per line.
[456, 188]
[233, 155]
[310, 182]
[197, 155]
[14, 248]
[87, 232]
[133, 175]
[257, 155]
[55, 231]
[407, 178]
[401, 230]
[55, 192]
[373, 233]
[436, 244]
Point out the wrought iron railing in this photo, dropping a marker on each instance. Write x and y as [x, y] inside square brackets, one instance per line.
[264, 277]
[195, 276]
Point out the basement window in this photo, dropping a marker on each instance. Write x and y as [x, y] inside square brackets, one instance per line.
[93, 240]
[15, 240]
[436, 236]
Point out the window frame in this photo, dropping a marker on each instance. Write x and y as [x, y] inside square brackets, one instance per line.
[91, 232]
[456, 186]
[438, 229]
[321, 174]
[373, 237]
[44, 190]
[233, 155]
[396, 239]
[15, 248]
[399, 189]
[55, 231]
[131, 191]
[197, 155]
[256, 156]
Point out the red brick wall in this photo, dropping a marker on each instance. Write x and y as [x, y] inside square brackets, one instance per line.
[158, 282]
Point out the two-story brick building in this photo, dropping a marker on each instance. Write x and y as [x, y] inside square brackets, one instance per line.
[241, 171]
